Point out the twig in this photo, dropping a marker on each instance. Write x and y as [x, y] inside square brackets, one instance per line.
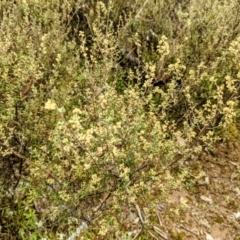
[159, 219]
[139, 213]
[192, 232]
[153, 235]
[138, 233]
[136, 16]
[102, 203]
[27, 160]
[163, 235]
[141, 9]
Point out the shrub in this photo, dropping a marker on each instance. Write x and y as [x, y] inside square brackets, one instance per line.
[87, 137]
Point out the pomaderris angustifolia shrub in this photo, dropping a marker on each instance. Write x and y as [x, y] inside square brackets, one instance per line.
[101, 102]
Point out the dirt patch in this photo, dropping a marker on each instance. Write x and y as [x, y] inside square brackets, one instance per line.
[211, 208]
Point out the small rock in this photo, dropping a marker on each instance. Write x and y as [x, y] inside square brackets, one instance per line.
[206, 199]
[237, 215]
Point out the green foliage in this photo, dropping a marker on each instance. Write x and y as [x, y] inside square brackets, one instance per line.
[100, 101]
[230, 132]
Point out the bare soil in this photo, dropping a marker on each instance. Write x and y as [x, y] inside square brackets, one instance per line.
[211, 206]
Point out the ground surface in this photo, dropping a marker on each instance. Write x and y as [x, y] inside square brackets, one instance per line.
[212, 210]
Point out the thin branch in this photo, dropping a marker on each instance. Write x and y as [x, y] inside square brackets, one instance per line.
[141, 9]
[188, 230]
[137, 235]
[159, 219]
[140, 214]
[162, 234]
[29, 161]
[153, 235]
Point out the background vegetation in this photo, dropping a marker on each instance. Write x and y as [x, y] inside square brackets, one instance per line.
[101, 104]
